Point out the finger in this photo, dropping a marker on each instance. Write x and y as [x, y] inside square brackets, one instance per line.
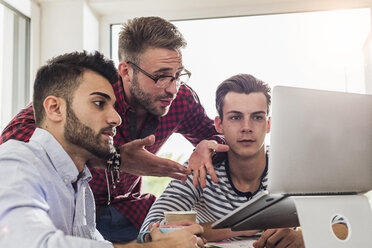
[221, 148]
[153, 225]
[181, 223]
[212, 144]
[168, 166]
[261, 242]
[199, 242]
[148, 141]
[275, 237]
[283, 243]
[202, 176]
[194, 229]
[211, 171]
[178, 176]
[285, 237]
[155, 233]
[195, 178]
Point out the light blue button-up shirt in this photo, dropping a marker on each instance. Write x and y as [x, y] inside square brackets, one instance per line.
[39, 206]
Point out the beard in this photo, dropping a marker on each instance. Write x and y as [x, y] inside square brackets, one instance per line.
[83, 136]
[147, 101]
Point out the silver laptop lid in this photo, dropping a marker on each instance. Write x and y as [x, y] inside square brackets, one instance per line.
[321, 142]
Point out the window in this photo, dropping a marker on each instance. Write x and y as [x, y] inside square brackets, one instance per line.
[320, 50]
[14, 62]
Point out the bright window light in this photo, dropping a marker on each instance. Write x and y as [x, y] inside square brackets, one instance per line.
[320, 50]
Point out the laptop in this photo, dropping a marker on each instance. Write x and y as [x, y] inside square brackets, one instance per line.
[320, 144]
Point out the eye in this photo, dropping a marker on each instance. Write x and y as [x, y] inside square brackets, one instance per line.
[258, 117]
[99, 103]
[235, 117]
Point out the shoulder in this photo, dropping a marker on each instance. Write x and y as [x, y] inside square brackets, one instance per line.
[186, 93]
[19, 152]
[20, 163]
[21, 127]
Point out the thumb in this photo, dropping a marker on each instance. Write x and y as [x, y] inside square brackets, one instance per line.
[148, 141]
[155, 233]
[213, 145]
[221, 148]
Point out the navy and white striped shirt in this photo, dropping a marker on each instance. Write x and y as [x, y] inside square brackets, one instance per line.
[211, 203]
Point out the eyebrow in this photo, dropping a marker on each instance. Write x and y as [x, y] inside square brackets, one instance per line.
[168, 69]
[259, 112]
[101, 94]
[254, 113]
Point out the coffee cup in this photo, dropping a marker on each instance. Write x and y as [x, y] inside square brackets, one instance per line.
[175, 216]
[166, 229]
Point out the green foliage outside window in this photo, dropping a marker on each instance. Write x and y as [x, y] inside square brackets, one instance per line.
[156, 185]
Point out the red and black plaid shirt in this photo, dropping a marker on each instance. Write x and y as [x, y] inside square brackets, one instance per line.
[186, 116]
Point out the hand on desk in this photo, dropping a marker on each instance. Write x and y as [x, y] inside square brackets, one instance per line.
[183, 238]
[278, 238]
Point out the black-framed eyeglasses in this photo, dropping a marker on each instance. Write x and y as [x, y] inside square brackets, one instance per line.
[164, 81]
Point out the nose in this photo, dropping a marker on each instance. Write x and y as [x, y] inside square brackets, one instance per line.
[247, 126]
[173, 87]
[114, 118]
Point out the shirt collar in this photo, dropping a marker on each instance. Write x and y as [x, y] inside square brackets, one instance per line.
[120, 96]
[225, 162]
[59, 158]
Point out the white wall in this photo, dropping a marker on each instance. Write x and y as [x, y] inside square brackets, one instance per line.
[35, 51]
[67, 26]
[23, 6]
[6, 72]
[61, 28]
[90, 29]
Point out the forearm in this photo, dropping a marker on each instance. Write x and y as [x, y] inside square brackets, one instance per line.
[42, 234]
[176, 197]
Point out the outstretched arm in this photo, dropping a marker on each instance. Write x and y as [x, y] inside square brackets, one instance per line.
[136, 160]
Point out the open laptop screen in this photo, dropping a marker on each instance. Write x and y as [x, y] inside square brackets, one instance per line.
[321, 142]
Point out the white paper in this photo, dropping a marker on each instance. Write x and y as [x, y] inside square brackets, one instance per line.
[232, 244]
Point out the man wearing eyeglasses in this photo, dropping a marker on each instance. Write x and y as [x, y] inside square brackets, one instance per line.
[153, 101]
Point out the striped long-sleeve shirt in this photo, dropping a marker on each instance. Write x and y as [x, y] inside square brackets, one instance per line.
[211, 203]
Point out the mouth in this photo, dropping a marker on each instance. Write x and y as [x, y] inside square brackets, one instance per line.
[109, 133]
[166, 102]
[246, 141]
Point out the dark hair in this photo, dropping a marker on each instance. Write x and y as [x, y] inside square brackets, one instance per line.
[241, 83]
[62, 75]
[141, 33]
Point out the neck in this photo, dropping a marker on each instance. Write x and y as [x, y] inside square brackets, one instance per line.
[141, 113]
[77, 154]
[246, 172]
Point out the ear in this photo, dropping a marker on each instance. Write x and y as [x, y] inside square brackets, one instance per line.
[123, 71]
[218, 124]
[54, 108]
[268, 125]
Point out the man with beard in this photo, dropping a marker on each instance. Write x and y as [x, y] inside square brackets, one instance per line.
[153, 101]
[45, 199]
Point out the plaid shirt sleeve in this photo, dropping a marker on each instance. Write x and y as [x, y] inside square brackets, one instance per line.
[196, 125]
[21, 127]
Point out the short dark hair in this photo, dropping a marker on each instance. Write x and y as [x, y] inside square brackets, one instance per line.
[62, 75]
[140, 33]
[241, 83]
